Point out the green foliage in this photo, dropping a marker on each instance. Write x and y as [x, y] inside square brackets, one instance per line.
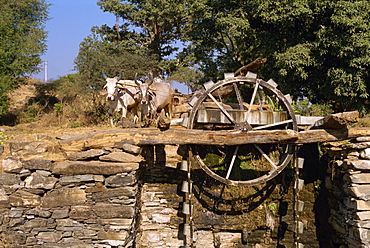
[58, 108]
[97, 54]
[144, 43]
[3, 138]
[74, 124]
[22, 42]
[154, 25]
[306, 108]
[23, 36]
[30, 113]
[6, 84]
[317, 49]
[363, 122]
[273, 207]
[68, 87]
[188, 76]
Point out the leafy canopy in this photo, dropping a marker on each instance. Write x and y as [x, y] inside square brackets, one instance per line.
[22, 42]
[22, 36]
[319, 49]
[315, 48]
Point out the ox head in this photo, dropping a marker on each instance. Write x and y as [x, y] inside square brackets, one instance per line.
[110, 88]
[143, 92]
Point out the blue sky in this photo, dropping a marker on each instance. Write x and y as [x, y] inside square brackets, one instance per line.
[71, 22]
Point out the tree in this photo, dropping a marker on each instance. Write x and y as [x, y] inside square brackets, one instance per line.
[99, 53]
[318, 49]
[323, 50]
[22, 41]
[221, 38]
[146, 42]
[154, 27]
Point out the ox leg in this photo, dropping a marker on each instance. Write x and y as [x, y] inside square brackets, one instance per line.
[163, 122]
[135, 113]
[146, 115]
[124, 114]
[111, 121]
[129, 117]
[111, 117]
[124, 117]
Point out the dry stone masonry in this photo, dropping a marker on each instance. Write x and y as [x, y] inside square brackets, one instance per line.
[123, 195]
[85, 199]
[348, 192]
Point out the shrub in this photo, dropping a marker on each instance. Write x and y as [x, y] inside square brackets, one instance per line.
[305, 108]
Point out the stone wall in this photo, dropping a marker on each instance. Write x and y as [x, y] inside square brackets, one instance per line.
[129, 196]
[347, 190]
[86, 199]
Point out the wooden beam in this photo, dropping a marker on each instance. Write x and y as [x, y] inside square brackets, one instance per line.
[242, 71]
[151, 136]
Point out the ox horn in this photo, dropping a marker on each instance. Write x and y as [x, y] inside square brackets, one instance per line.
[150, 74]
[150, 82]
[103, 74]
[136, 82]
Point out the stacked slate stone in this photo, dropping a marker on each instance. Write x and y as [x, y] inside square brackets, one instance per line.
[87, 200]
[348, 182]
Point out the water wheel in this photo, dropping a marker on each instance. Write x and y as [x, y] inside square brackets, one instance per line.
[248, 104]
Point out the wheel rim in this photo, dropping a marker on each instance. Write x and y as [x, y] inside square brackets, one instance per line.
[248, 164]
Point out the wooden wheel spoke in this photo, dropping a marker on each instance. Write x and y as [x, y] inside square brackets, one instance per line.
[224, 111]
[265, 156]
[238, 96]
[232, 162]
[273, 124]
[252, 100]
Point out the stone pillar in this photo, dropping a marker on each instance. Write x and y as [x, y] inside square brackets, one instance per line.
[348, 185]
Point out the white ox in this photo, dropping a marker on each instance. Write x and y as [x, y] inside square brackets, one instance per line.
[121, 97]
[155, 96]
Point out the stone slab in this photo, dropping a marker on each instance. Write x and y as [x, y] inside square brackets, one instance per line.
[121, 157]
[8, 179]
[37, 164]
[120, 180]
[107, 211]
[361, 192]
[80, 179]
[360, 178]
[39, 181]
[92, 167]
[12, 164]
[358, 146]
[114, 193]
[19, 148]
[359, 164]
[362, 205]
[92, 153]
[363, 215]
[23, 198]
[365, 154]
[131, 148]
[4, 199]
[81, 212]
[64, 197]
[363, 139]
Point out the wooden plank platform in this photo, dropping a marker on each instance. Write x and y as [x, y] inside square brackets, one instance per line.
[180, 136]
